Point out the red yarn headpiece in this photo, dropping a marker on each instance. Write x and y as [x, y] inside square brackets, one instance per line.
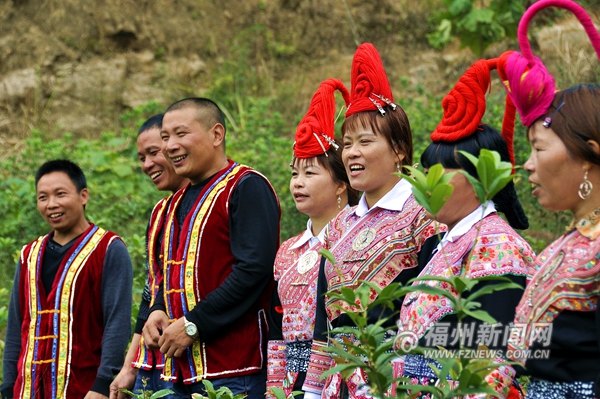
[370, 89]
[464, 106]
[315, 132]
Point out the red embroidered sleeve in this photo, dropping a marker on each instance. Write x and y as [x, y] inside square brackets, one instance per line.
[320, 361]
[275, 365]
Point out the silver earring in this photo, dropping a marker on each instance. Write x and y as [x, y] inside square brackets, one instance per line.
[585, 188]
[398, 167]
[339, 201]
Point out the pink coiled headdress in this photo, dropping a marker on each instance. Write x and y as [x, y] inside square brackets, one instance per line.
[528, 83]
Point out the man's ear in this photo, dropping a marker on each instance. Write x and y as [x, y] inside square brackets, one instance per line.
[218, 132]
[85, 196]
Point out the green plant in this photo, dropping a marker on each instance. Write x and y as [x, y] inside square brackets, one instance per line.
[279, 393]
[494, 174]
[221, 393]
[476, 23]
[372, 352]
[431, 191]
[146, 394]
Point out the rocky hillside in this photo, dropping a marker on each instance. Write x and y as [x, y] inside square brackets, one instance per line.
[75, 65]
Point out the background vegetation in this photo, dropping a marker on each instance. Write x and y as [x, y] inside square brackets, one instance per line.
[263, 76]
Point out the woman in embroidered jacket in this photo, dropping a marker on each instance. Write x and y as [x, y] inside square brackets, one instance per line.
[559, 310]
[479, 243]
[381, 239]
[320, 188]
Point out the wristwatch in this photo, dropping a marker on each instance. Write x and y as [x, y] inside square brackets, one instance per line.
[190, 328]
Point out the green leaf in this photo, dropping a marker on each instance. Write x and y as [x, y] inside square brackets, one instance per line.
[422, 199]
[477, 186]
[460, 7]
[128, 392]
[478, 390]
[441, 194]
[328, 255]
[498, 184]
[480, 315]
[434, 174]
[349, 295]
[488, 289]
[278, 392]
[162, 393]
[432, 278]
[464, 379]
[485, 170]
[417, 175]
[463, 284]
[472, 158]
[409, 179]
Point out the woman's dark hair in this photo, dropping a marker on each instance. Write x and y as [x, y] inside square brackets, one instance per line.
[333, 163]
[448, 155]
[394, 126]
[577, 119]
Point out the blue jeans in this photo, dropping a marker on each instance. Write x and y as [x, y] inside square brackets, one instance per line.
[153, 382]
[253, 385]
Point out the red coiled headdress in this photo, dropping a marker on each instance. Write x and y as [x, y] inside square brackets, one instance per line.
[315, 133]
[465, 105]
[370, 89]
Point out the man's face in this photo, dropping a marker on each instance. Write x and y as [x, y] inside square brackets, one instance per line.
[59, 202]
[190, 146]
[154, 163]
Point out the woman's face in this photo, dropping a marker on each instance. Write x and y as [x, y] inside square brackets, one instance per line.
[461, 203]
[370, 163]
[555, 174]
[313, 188]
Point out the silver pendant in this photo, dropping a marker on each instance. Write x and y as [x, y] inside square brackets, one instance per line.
[363, 239]
[307, 261]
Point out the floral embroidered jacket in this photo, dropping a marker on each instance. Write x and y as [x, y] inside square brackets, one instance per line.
[489, 248]
[296, 270]
[381, 246]
[559, 309]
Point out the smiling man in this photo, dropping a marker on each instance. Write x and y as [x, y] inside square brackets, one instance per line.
[70, 309]
[221, 236]
[154, 163]
[143, 366]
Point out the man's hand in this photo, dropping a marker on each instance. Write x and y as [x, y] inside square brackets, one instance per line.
[125, 379]
[156, 324]
[94, 395]
[174, 341]
[128, 374]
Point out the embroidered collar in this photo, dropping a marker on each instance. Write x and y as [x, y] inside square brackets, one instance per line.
[393, 200]
[589, 225]
[308, 236]
[465, 224]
